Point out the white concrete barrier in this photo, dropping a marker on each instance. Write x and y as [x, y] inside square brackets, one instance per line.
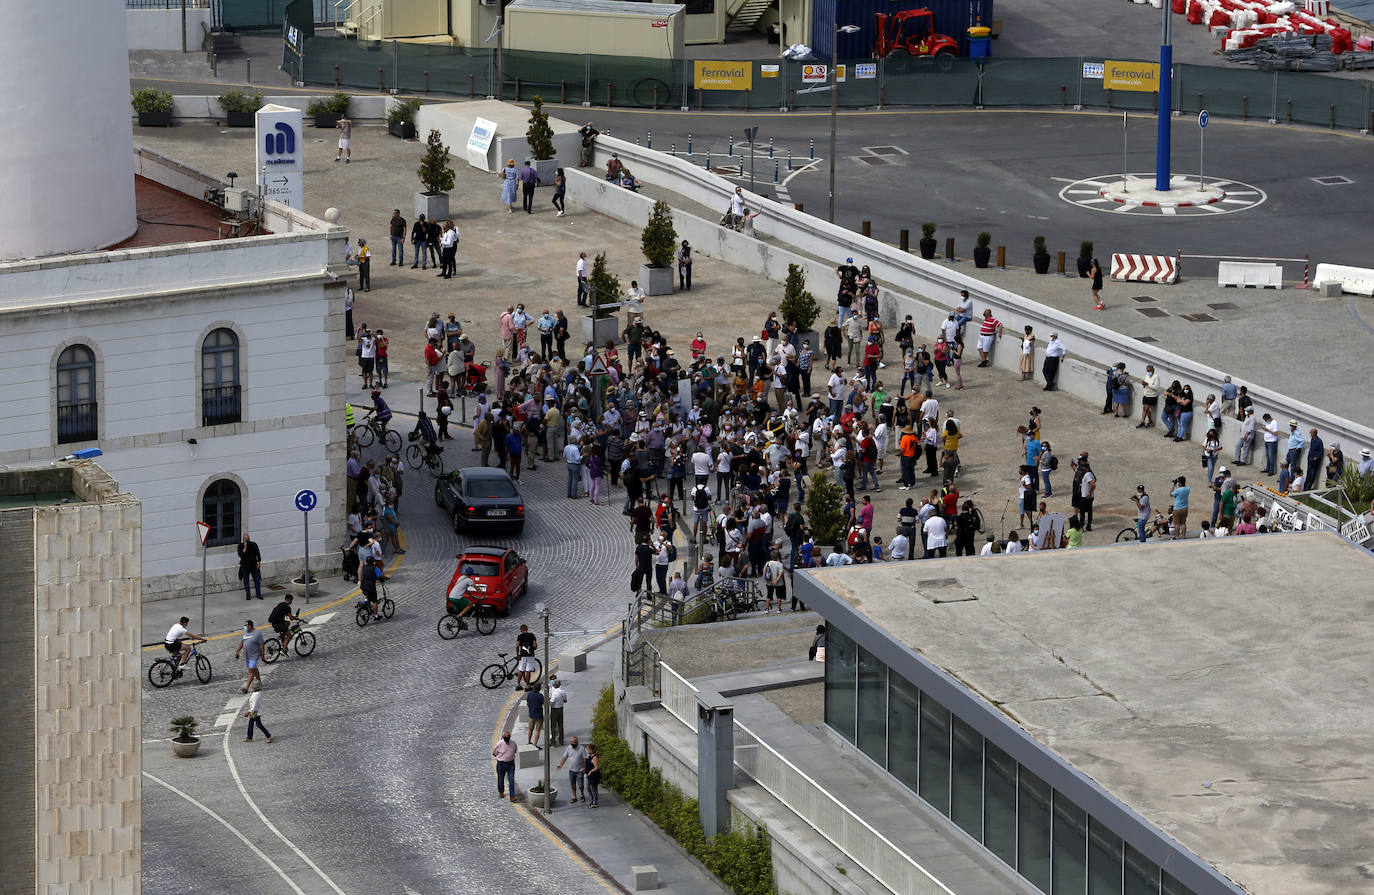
[365, 110]
[911, 285]
[1355, 280]
[1249, 273]
[160, 29]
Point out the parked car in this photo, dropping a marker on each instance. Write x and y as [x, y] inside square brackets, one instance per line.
[480, 498]
[501, 574]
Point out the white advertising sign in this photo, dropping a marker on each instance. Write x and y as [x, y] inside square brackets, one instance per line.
[479, 142]
[865, 70]
[1094, 71]
[281, 149]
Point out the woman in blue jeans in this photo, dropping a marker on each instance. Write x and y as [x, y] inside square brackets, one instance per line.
[1185, 414]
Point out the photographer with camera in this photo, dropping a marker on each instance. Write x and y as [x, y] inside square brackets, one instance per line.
[1180, 514]
[1142, 511]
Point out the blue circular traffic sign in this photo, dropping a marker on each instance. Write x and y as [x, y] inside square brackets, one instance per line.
[1203, 118]
[305, 500]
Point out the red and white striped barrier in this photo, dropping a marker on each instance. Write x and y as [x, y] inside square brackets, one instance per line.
[1145, 268]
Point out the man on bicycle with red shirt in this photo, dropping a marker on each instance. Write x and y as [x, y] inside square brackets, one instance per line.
[457, 603]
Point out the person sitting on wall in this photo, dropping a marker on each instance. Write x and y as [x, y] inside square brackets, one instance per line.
[614, 168]
[628, 180]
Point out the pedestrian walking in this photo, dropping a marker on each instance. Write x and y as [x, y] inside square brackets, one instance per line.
[560, 189]
[583, 284]
[1096, 272]
[529, 179]
[419, 236]
[575, 757]
[253, 712]
[558, 697]
[345, 128]
[504, 753]
[398, 238]
[509, 177]
[534, 704]
[593, 776]
[1028, 355]
[684, 266]
[250, 647]
[250, 566]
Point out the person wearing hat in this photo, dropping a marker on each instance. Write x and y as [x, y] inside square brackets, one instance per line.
[1221, 483]
[1366, 462]
[508, 176]
[1296, 442]
[1055, 352]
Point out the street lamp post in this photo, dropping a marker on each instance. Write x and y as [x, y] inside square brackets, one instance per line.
[548, 711]
[835, 102]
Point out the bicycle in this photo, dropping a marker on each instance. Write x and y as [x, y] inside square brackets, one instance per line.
[730, 599]
[418, 455]
[165, 670]
[498, 673]
[371, 429]
[385, 607]
[303, 640]
[1158, 527]
[482, 614]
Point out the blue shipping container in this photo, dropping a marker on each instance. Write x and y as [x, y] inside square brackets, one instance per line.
[952, 17]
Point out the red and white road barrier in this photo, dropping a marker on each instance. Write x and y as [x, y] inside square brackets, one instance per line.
[1145, 268]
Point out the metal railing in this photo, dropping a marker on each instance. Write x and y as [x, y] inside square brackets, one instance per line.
[219, 405]
[78, 422]
[166, 4]
[678, 695]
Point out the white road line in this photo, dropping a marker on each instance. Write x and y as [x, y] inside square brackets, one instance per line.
[234, 704]
[231, 828]
[1235, 201]
[1242, 192]
[1212, 208]
[316, 620]
[1168, 211]
[1091, 201]
[226, 720]
[243, 791]
[1081, 192]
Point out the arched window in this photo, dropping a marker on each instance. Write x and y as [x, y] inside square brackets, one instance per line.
[222, 508]
[219, 366]
[77, 419]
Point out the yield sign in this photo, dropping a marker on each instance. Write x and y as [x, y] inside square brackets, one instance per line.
[202, 532]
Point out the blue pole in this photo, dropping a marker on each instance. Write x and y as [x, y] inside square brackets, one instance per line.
[1166, 102]
[674, 149]
[708, 160]
[651, 140]
[689, 144]
[731, 151]
[776, 163]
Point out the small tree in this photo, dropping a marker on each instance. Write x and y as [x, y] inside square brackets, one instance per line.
[435, 173]
[824, 509]
[184, 728]
[659, 238]
[798, 305]
[928, 230]
[540, 135]
[1040, 246]
[605, 288]
[1085, 249]
[984, 239]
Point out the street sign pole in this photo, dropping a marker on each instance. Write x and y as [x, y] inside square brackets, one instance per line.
[1202, 118]
[1125, 136]
[203, 533]
[305, 502]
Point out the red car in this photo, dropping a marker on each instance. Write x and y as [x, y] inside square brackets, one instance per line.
[501, 574]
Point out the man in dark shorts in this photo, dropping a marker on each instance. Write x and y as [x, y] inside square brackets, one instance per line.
[173, 642]
[281, 614]
[457, 603]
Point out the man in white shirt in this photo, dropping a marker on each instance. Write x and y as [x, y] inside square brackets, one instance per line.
[899, 547]
[838, 559]
[930, 409]
[773, 576]
[582, 285]
[1014, 543]
[1055, 352]
[1271, 445]
[856, 336]
[950, 328]
[835, 388]
[173, 641]
[737, 208]
[558, 697]
[1246, 442]
[935, 530]
[573, 457]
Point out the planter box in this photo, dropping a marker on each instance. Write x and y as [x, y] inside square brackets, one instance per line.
[188, 750]
[434, 206]
[607, 329]
[547, 169]
[298, 586]
[927, 247]
[656, 280]
[1085, 266]
[403, 129]
[326, 119]
[981, 256]
[240, 119]
[1041, 262]
[536, 799]
[154, 119]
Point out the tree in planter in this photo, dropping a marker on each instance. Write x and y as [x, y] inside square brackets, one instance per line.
[1041, 258]
[928, 240]
[539, 135]
[328, 107]
[435, 174]
[824, 510]
[798, 305]
[981, 251]
[401, 119]
[605, 288]
[659, 239]
[185, 729]
[154, 107]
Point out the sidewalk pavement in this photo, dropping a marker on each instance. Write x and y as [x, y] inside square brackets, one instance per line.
[613, 837]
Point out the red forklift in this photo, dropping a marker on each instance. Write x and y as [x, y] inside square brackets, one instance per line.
[910, 33]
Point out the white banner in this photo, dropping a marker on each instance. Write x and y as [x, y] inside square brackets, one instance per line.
[281, 149]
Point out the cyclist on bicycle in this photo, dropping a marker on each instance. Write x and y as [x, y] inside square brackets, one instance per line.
[457, 603]
[424, 430]
[380, 410]
[176, 634]
[281, 614]
[371, 573]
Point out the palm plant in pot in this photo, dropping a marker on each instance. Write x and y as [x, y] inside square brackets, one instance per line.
[798, 305]
[400, 120]
[327, 110]
[186, 742]
[1041, 258]
[1085, 258]
[539, 136]
[240, 107]
[536, 795]
[154, 107]
[982, 251]
[600, 325]
[437, 178]
[657, 241]
[927, 240]
[825, 511]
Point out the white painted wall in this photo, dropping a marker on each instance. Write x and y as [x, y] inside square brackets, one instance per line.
[160, 29]
[362, 109]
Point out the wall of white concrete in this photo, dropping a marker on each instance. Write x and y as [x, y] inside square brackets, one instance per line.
[160, 29]
[364, 110]
[911, 285]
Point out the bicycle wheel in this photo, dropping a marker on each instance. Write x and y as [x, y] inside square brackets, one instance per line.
[728, 608]
[271, 650]
[203, 671]
[414, 456]
[305, 643]
[486, 619]
[392, 439]
[364, 435]
[493, 676]
[161, 673]
[1126, 534]
[363, 616]
[436, 464]
[448, 627]
[388, 608]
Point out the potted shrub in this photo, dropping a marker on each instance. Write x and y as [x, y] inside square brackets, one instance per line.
[154, 107]
[1085, 257]
[824, 511]
[186, 743]
[239, 107]
[400, 120]
[927, 240]
[658, 241]
[437, 178]
[1041, 258]
[536, 795]
[600, 326]
[299, 587]
[798, 305]
[326, 110]
[539, 136]
[981, 251]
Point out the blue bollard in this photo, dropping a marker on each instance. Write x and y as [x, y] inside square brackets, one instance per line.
[689, 144]
[775, 170]
[731, 150]
[651, 140]
[674, 150]
[708, 160]
[636, 141]
[770, 147]
[789, 160]
[813, 150]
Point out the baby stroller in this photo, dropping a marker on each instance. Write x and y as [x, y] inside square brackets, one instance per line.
[350, 564]
[476, 378]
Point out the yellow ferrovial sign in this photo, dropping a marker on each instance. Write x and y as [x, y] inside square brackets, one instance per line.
[723, 75]
[1139, 76]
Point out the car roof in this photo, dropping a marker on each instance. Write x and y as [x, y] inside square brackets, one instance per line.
[484, 472]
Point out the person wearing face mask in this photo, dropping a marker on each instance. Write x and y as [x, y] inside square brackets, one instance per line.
[504, 753]
[250, 647]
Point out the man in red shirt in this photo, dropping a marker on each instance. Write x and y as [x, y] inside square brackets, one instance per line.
[872, 353]
[698, 346]
[988, 332]
[383, 363]
[433, 360]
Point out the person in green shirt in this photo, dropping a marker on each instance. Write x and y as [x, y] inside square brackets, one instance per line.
[879, 398]
[1075, 532]
[1229, 499]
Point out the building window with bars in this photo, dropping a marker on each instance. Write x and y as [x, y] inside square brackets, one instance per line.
[221, 509]
[219, 364]
[77, 417]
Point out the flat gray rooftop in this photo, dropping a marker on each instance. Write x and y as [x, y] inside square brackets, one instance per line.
[1219, 688]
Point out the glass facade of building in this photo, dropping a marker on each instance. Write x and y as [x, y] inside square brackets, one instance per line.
[1035, 830]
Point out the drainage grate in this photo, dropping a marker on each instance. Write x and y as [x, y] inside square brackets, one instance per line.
[1332, 180]
[1142, 298]
[1152, 312]
[1146, 339]
[1223, 306]
[1200, 318]
[871, 159]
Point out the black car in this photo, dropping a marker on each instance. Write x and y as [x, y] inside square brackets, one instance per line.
[481, 498]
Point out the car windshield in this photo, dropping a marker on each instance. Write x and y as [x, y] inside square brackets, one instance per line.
[486, 568]
[491, 488]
